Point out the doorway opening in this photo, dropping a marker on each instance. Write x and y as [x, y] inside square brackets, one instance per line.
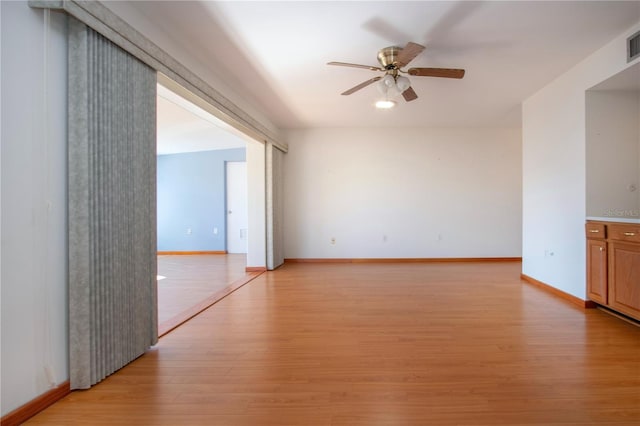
[198, 262]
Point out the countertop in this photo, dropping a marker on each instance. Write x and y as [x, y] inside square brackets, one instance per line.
[615, 219]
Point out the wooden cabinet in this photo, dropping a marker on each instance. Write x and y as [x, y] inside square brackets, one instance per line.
[613, 266]
[597, 271]
[624, 278]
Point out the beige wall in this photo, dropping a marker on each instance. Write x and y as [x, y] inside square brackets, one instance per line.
[403, 192]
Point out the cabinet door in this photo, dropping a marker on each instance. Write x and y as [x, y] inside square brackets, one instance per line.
[624, 278]
[597, 271]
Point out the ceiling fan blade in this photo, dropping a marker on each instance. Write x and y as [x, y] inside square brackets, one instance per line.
[345, 64]
[457, 12]
[409, 95]
[361, 85]
[410, 51]
[437, 72]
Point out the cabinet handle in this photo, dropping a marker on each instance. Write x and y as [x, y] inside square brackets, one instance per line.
[594, 231]
[601, 248]
[630, 234]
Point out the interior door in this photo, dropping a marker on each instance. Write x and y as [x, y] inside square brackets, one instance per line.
[237, 212]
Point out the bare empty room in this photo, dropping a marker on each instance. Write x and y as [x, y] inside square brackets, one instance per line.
[443, 214]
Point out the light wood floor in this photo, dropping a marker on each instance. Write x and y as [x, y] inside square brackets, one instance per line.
[372, 344]
[194, 282]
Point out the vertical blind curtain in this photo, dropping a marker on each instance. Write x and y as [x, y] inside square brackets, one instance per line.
[275, 206]
[112, 207]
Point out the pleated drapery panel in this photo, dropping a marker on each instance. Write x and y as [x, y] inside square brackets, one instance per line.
[275, 206]
[112, 207]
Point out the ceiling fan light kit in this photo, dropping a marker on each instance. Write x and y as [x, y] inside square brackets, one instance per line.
[393, 59]
[402, 83]
[385, 104]
[391, 87]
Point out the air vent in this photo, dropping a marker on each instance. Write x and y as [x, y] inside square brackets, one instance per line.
[633, 47]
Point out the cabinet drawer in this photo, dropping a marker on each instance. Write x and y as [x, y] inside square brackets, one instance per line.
[630, 233]
[596, 230]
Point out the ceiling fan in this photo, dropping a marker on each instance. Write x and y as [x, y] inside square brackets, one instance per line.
[393, 59]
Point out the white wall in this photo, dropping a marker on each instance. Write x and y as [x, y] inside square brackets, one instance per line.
[34, 251]
[554, 170]
[403, 193]
[612, 143]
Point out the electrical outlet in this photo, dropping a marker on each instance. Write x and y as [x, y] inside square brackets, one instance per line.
[48, 372]
[188, 231]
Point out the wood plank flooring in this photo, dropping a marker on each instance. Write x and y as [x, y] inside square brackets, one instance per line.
[193, 282]
[390, 344]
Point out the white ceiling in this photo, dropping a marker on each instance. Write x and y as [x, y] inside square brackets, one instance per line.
[275, 53]
[184, 127]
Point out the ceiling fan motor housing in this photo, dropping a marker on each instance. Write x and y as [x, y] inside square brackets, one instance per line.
[388, 57]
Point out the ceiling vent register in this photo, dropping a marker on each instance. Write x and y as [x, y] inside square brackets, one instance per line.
[633, 47]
